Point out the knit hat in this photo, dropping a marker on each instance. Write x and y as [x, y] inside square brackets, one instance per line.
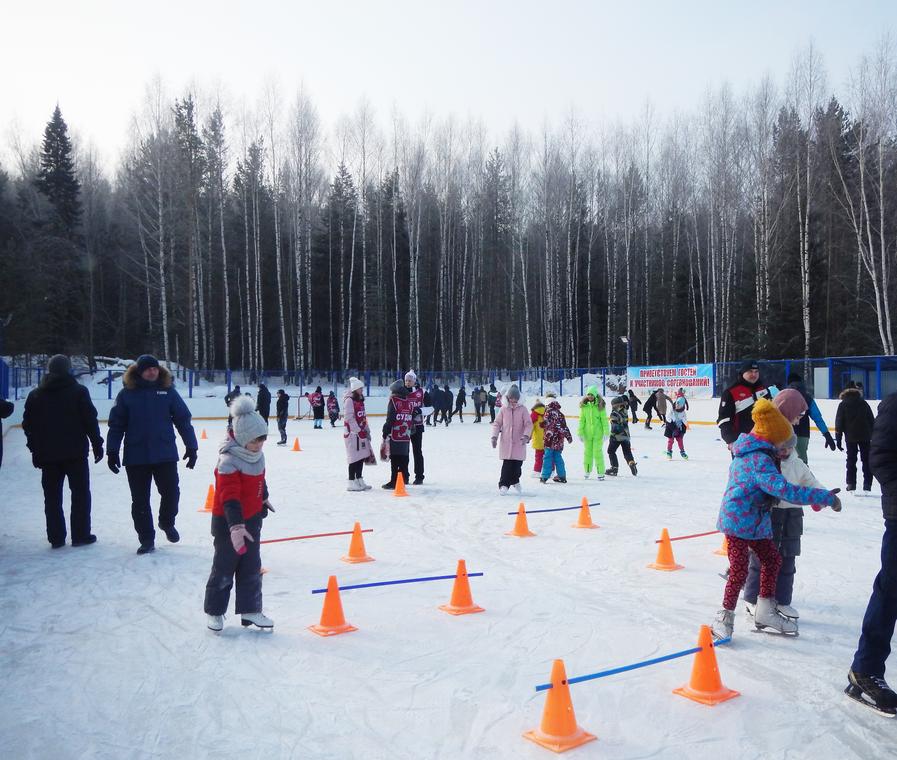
[409, 375]
[790, 403]
[59, 365]
[146, 361]
[398, 388]
[747, 365]
[551, 394]
[513, 392]
[247, 423]
[769, 423]
[355, 384]
[619, 401]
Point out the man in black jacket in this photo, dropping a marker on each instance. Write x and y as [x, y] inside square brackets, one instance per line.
[867, 671]
[283, 412]
[263, 402]
[58, 421]
[854, 421]
[738, 400]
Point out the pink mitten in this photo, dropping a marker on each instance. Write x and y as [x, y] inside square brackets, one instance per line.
[238, 537]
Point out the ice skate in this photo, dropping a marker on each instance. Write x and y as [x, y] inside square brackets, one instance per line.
[587, 475]
[518, 488]
[683, 455]
[171, 534]
[281, 443]
[146, 548]
[633, 468]
[788, 611]
[355, 485]
[872, 692]
[611, 472]
[767, 618]
[364, 485]
[215, 622]
[258, 619]
[750, 608]
[559, 479]
[600, 477]
[502, 490]
[669, 454]
[543, 480]
[724, 624]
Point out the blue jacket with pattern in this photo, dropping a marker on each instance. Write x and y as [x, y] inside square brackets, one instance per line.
[754, 479]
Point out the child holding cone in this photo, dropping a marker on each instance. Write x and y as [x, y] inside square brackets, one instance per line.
[514, 427]
[755, 482]
[787, 518]
[241, 503]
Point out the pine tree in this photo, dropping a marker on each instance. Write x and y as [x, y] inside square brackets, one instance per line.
[56, 178]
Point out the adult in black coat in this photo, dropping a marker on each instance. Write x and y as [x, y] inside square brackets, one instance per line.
[854, 421]
[648, 408]
[737, 401]
[283, 413]
[436, 402]
[58, 421]
[634, 401]
[263, 402]
[460, 403]
[6, 409]
[490, 400]
[868, 668]
[447, 400]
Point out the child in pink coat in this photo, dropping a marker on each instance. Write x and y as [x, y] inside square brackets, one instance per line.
[514, 426]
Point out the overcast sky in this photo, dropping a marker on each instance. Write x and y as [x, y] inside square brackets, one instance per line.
[499, 60]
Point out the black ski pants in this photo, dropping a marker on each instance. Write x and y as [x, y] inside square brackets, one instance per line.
[228, 565]
[53, 475]
[398, 463]
[140, 479]
[417, 441]
[861, 448]
[612, 452]
[510, 472]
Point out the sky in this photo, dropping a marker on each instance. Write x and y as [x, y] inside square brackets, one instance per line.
[501, 61]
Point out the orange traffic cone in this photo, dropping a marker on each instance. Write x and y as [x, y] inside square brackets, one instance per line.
[705, 685]
[585, 516]
[210, 500]
[665, 559]
[558, 730]
[521, 529]
[724, 549]
[400, 485]
[332, 618]
[296, 446]
[462, 601]
[204, 437]
[357, 551]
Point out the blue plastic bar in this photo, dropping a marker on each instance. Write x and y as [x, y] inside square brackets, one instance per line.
[396, 583]
[634, 666]
[557, 509]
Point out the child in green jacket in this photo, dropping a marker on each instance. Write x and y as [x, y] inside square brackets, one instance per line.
[593, 429]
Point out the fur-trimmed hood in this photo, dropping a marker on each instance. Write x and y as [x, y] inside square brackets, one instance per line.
[850, 394]
[131, 379]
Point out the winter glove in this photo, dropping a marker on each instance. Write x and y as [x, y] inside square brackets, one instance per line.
[238, 538]
[113, 462]
[267, 506]
[524, 439]
[384, 451]
[190, 457]
[98, 455]
[372, 458]
[840, 447]
[829, 441]
[494, 441]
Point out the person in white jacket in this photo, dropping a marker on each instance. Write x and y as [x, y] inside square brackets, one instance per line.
[787, 518]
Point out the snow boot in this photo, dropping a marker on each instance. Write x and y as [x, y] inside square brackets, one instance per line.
[364, 485]
[146, 548]
[558, 479]
[502, 490]
[633, 467]
[517, 487]
[355, 485]
[57, 544]
[872, 692]
[258, 619]
[90, 539]
[611, 472]
[418, 482]
[851, 487]
[171, 534]
[543, 480]
[215, 622]
[767, 617]
[388, 486]
[723, 625]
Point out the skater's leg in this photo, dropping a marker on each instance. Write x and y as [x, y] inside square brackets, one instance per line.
[507, 469]
[402, 465]
[79, 483]
[738, 564]
[417, 441]
[559, 464]
[599, 457]
[587, 456]
[538, 459]
[548, 461]
[627, 452]
[612, 452]
[680, 440]
[770, 562]
[878, 622]
[802, 445]
[852, 451]
[669, 445]
[51, 478]
[516, 470]
[140, 479]
[785, 581]
[224, 564]
[248, 571]
[167, 483]
[752, 584]
[867, 470]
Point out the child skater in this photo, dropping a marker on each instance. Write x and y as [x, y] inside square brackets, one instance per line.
[556, 432]
[787, 518]
[397, 429]
[593, 429]
[677, 425]
[619, 436]
[332, 408]
[514, 426]
[754, 483]
[241, 502]
[537, 414]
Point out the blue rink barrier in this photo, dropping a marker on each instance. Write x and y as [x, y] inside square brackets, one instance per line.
[634, 666]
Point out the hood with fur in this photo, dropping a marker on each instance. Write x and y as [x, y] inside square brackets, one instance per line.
[131, 379]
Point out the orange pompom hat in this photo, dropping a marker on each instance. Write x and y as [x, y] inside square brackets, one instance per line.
[769, 423]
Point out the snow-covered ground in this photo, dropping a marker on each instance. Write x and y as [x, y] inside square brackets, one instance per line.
[105, 654]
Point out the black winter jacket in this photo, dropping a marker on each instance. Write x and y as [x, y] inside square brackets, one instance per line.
[283, 406]
[883, 455]
[854, 419]
[263, 402]
[59, 419]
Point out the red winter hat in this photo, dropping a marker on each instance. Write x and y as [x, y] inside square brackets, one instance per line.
[790, 403]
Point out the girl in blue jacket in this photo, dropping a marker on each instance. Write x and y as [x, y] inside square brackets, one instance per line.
[755, 483]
